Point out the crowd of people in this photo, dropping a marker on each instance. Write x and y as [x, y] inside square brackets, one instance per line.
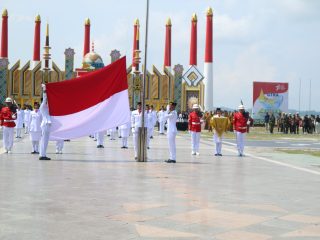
[292, 123]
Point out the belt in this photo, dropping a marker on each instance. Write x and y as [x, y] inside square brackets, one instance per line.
[195, 123]
[8, 120]
[242, 127]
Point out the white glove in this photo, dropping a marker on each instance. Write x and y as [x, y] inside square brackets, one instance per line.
[43, 87]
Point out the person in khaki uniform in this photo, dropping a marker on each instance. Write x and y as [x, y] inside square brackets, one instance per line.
[219, 124]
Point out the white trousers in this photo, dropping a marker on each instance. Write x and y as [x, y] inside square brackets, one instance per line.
[26, 127]
[124, 141]
[100, 138]
[172, 145]
[44, 140]
[151, 131]
[8, 133]
[240, 141]
[135, 143]
[18, 132]
[218, 141]
[195, 141]
[112, 135]
[59, 145]
[161, 128]
[317, 127]
[35, 146]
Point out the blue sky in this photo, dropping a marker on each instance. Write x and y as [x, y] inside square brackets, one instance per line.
[265, 40]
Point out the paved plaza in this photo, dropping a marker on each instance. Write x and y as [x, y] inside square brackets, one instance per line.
[92, 194]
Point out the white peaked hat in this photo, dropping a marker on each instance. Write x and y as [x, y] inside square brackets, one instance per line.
[195, 106]
[8, 100]
[241, 107]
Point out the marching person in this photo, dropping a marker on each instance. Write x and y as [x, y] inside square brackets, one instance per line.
[240, 119]
[136, 123]
[26, 114]
[7, 118]
[19, 121]
[112, 132]
[125, 132]
[148, 124]
[171, 116]
[154, 120]
[35, 130]
[194, 127]
[161, 120]
[45, 125]
[219, 124]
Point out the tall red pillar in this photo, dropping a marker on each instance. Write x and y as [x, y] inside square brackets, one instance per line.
[167, 50]
[136, 37]
[86, 47]
[4, 35]
[193, 43]
[36, 44]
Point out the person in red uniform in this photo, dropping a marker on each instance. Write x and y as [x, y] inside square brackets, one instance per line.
[7, 117]
[240, 119]
[194, 127]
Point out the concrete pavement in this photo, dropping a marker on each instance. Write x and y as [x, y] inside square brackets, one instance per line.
[90, 193]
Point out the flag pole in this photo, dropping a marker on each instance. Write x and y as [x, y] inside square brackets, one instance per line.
[142, 154]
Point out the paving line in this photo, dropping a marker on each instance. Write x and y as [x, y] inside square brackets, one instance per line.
[274, 161]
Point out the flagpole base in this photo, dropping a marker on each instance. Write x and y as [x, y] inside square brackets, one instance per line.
[142, 144]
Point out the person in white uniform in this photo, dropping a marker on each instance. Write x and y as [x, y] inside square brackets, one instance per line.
[35, 130]
[125, 132]
[19, 122]
[161, 120]
[45, 126]
[171, 116]
[136, 123]
[26, 119]
[148, 124]
[112, 132]
[154, 120]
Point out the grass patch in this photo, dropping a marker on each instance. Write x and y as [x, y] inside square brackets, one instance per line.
[315, 153]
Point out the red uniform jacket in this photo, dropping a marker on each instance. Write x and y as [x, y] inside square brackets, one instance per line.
[7, 117]
[240, 122]
[194, 122]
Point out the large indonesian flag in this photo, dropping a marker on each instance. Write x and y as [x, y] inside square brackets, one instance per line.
[91, 103]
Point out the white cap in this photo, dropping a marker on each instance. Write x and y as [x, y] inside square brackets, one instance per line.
[195, 106]
[241, 107]
[8, 100]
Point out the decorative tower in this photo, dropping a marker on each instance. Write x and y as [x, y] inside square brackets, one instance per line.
[136, 51]
[46, 56]
[193, 43]
[86, 47]
[36, 44]
[115, 55]
[4, 35]
[4, 57]
[69, 63]
[167, 50]
[208, 66]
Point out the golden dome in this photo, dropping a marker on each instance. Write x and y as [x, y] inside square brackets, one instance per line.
[38, 18]
[136, 22]
[5, 13]
[87, 21]
[92, 60]
[194, 17]
[209, 11]
[169, 22]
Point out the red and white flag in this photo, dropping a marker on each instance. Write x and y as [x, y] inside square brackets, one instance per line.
[91, 103]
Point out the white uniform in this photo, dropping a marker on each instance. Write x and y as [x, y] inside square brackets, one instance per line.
[172, 132]
[26, 120]
[136, 122]
[35, 130]
[150, 127]
[19, 122]
[45, 126]
[125, 132]
[162, 121]
[154, 121]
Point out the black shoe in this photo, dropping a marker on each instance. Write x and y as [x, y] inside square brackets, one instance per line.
[151, 137]
[216, 154]
[220, 154]
[34, 152]
[44, 158]
[123, 147]
[120, 137]
[126, 147]
[148, 147]
[168, 160]
[173, 161]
